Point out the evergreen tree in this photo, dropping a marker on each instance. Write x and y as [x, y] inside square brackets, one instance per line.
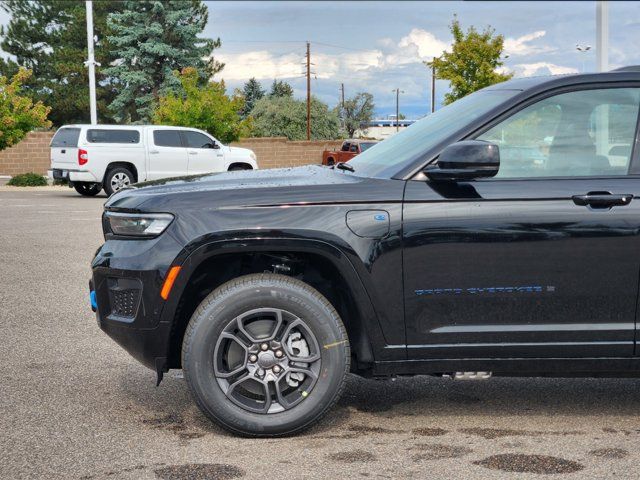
[280, 88]
[472, 63]
[49, 37]
[151, 39]
[252, 92]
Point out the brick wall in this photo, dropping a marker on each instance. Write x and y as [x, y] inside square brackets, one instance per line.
[32, 153]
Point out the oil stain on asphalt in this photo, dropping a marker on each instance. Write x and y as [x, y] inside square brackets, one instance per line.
[522, 463]
[199, 471]
[352, 456]
[437, 451]
[612, 453]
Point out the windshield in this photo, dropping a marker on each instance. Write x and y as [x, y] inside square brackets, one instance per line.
[391, 155]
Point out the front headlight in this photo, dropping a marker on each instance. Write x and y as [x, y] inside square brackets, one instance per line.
[138, 224]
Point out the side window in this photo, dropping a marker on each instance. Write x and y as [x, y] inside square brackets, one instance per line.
[197, 140]
[353, 148]
[345, 146]
[582, 133]
[113, 136]
[167, 138]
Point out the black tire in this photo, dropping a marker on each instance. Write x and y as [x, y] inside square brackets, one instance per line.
[238, 168]
[330, 161]
[310, 400]
[116, 179]
[87, 189]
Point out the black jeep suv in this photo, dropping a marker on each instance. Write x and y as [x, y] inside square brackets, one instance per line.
[499, 235]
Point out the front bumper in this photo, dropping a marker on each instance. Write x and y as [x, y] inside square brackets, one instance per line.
[127, 279]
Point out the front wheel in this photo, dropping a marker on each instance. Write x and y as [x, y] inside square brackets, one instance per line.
[265, 355]
[87, 189]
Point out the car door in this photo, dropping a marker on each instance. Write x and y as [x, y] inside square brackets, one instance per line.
[205, 153]
[167, 154]
[542, 260]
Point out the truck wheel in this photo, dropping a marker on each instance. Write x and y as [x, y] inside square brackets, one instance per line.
[330, 161]
[116, 179]
[87, 189]
[265, 355]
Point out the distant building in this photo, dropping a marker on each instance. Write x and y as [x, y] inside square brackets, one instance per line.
[383, 128]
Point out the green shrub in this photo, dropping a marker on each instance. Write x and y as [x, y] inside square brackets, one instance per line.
[28, 180]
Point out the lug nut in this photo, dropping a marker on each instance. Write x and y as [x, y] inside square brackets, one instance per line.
[276, 369]
[279, 353]
[260, 372]
[264, 346]
[253, 358]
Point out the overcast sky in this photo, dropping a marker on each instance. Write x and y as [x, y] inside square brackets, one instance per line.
[378, 46]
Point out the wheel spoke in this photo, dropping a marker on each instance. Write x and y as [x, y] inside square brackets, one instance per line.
[310, 339]
[233, 338]
[307, 371]
[253, 313]
[284, 403]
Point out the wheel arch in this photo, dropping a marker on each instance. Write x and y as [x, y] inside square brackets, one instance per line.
[317, 263]
[243, 165]
[128, 165]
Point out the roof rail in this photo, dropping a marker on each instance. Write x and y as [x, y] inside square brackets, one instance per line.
[630, 68]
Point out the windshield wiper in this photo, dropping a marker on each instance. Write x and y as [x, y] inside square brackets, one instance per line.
[345, 166]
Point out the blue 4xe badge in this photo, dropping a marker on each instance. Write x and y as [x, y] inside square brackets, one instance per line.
[380, 217]
[485, 290]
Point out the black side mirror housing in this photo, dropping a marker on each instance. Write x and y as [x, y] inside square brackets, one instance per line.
[466, 160]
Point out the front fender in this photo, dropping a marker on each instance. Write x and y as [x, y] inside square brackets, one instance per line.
[338, 253]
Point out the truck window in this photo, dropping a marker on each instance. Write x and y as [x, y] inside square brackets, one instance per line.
[167, 138]
[197, 140]
[66, 137]
[113, 136]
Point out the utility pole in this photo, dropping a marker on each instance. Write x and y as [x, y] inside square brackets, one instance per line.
[398, 91]
[342, 99]
[91, 63]
[308, 91]
[602, 36]
[433, 88]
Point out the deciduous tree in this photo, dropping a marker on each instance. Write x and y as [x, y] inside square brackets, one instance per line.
[205, 107]
[287, 117]
[18, 113]
[357, 112]
[472, 63]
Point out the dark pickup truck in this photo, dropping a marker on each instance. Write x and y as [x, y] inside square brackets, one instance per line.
[498, 236]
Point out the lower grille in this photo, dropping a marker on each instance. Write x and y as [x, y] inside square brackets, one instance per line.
[124, 296]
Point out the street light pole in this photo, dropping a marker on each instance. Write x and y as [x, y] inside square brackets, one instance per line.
[433, 88]
[91, 63]
[398, 92]
[583, 49]
[602, 35]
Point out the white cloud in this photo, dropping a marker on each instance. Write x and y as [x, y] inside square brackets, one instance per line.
[522, 46]
[423, 44]
[542, 68]
[260, 64]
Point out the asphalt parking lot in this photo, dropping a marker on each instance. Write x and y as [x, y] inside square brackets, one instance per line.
[74, 405]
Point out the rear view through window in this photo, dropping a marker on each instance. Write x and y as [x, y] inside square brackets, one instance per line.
[113, 136]
[66, 137]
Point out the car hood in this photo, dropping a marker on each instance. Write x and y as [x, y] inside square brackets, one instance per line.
[301, 185]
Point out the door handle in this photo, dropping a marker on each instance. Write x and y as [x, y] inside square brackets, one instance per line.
[193, 153]
[154, 151]
[602, 199]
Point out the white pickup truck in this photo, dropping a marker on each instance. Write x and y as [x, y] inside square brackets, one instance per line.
[93, 157]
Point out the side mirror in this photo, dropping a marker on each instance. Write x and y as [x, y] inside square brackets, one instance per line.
[466, 160]
[215, 145]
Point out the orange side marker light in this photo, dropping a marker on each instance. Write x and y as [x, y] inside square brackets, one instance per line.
[168, 282]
